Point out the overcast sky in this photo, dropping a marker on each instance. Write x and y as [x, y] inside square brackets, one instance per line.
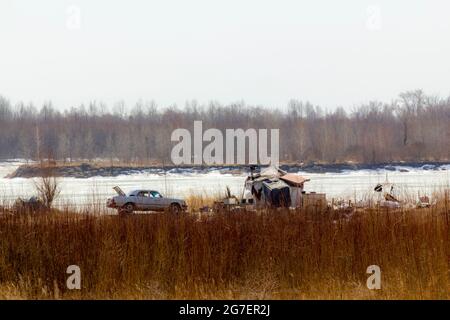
[332, 53]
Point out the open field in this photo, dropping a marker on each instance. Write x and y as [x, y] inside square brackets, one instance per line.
[262, 255]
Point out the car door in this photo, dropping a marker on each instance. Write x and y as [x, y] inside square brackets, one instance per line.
[150, 202]
[158, 200]
[139, 200]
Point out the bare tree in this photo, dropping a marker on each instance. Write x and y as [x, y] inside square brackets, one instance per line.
[416, 127]
[47, 187]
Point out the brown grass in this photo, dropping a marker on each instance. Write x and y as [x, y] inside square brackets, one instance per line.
[259, 255]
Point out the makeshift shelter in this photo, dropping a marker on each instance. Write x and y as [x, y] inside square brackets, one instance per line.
[275, 187]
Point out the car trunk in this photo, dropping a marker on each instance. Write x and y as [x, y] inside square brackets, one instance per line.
[119, 191]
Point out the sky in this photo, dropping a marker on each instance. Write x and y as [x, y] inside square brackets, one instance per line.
[331, 53]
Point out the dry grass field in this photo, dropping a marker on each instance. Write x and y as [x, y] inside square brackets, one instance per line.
[314, 254]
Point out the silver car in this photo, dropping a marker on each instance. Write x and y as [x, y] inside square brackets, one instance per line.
[144, 200]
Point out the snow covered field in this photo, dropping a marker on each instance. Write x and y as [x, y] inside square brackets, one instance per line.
[349, 184]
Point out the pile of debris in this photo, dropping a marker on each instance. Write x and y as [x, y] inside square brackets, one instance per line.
[31, 205]
[389, 198]
[389, 195]
[230, 204]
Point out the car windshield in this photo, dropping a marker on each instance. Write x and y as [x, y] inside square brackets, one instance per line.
[155, 194]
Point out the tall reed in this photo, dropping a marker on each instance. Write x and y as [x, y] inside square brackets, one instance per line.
[279, 254]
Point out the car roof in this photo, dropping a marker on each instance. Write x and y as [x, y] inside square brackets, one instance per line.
[139, 190]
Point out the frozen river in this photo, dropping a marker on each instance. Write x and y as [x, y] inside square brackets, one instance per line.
[348, 185]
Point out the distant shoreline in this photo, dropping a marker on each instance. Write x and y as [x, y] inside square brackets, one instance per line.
[104, 169]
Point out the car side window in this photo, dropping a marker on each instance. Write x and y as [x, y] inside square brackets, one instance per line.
[156, 194]
[143, 194]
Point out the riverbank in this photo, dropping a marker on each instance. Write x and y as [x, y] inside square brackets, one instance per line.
[103, 169]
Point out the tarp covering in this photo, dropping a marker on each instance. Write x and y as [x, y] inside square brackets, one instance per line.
[271, 172]
[294, 179]
[277, 193]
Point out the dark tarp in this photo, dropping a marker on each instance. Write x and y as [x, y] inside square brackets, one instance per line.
[277, 193]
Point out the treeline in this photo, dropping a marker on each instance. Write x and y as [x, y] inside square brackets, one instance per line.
[414, 127]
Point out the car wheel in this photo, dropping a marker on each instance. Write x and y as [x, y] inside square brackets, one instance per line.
[175, 208]
[128, 208]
